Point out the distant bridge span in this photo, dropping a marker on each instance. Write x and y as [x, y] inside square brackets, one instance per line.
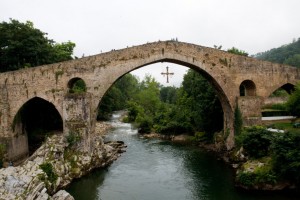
[238, 80]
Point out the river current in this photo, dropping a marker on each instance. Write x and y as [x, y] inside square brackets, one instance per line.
[153, 169]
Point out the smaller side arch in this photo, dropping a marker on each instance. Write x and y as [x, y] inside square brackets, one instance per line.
[76, 85]
[288, 87]
[36, 119]
[247, 88]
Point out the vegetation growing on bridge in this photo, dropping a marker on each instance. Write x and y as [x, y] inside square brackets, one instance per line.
[22, 45]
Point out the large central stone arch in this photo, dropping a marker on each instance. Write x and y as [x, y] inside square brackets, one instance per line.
[199, 67]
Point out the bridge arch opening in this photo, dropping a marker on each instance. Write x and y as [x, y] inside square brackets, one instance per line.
[274, 104]
[288, 87]
[223, 102]
[37, 119]
[76, 85]
[247, 88]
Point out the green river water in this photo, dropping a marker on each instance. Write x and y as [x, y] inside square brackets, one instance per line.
[153, 169]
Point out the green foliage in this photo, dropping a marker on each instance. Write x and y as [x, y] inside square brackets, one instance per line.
[201, 136]
[286, 54]
[57, 74]
[237, 51]
[280, 93]
[293, 104]
[22, 46]
[286, 155]
[78, 87]
[168, 94]
[166, 110]
[279, 106]
[261, 176]
[48, 169]
[255, 172]
[118, 96]
[283, 148]
[256, 141]
[246, 178]
[238, 121]
[73, 138]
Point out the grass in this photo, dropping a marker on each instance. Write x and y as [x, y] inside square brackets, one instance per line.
[288, 126]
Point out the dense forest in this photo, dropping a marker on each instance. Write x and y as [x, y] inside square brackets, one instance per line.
[287, 54]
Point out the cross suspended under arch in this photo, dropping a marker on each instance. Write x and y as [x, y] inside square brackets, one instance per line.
[167, 73]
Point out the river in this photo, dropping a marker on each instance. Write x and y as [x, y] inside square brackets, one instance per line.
[152, 169]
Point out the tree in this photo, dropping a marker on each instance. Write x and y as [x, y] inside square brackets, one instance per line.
[286, 156]
[22, 45]
[168, 94]
[202, 102]
[293, 104]
[293, 60]
[118, 96]
[237, 51]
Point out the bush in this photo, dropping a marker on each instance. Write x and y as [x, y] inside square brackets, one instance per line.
[256, 141]
[286, 156]
[261, 173]
[293, 104]
[48, 169]
[246, 178]
[73, 138]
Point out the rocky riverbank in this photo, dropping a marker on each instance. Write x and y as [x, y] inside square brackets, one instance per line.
[54, 165]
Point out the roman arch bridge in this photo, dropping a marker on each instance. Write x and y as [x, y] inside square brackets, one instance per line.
[238, 80]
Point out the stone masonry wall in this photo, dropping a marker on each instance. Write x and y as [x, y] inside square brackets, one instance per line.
[224, 70]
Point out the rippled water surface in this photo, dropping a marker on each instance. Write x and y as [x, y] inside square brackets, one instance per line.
[152, 169]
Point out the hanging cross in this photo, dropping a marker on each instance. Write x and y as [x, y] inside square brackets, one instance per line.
[167, 73]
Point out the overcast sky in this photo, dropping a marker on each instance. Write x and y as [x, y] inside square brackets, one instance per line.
[101, 25]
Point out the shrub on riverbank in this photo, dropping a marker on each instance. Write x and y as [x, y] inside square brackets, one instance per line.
[273, 157]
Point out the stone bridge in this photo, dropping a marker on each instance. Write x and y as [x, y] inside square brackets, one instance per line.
[238, 80]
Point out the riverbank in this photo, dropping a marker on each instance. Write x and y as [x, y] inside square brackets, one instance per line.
[54, 165]
[245, 169]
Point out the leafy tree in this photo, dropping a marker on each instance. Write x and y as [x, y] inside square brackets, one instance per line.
[22, 45]
[293, 60]
[286, 156]
[168, 94]
[293, 104]
[78, 87]
[256, 141]
[202, 102]
[237, 51]
[123, 91]
[238, 121]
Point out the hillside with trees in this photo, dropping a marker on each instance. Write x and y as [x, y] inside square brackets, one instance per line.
[287, 54]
